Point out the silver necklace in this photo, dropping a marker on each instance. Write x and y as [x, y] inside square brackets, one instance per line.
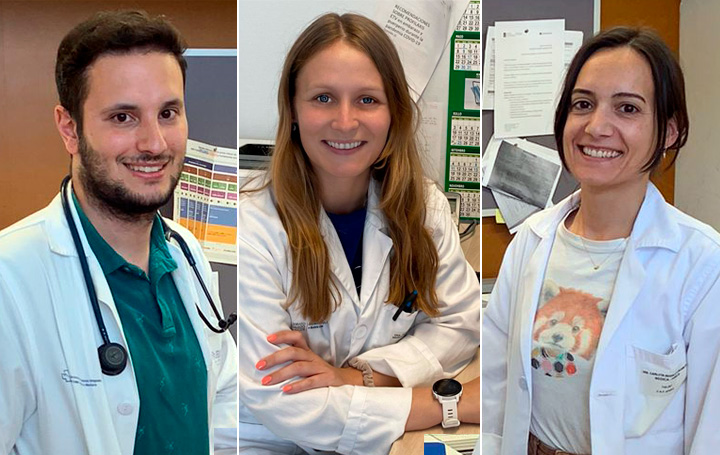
[609, 255]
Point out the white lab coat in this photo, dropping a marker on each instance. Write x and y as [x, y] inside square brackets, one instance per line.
[53, 396]
[415, 349]
[666, 296]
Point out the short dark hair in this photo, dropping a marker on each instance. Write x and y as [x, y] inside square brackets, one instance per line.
[668, 82]
[109, 32]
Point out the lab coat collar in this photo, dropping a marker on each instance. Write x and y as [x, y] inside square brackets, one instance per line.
[376, 248]
[654, 226]
[60, 242]
[377, 244]
[190, 297]
[58, 232]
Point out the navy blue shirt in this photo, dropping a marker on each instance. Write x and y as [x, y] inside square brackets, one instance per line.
[349, 228]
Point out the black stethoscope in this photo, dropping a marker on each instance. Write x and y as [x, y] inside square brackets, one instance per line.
[113, 356]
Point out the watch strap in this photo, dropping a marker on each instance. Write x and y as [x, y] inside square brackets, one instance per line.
[450, 413]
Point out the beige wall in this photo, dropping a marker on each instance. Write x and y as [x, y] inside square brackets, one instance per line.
[32, 157]
[697, 187]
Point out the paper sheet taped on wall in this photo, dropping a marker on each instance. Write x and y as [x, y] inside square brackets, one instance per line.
[205, 200]
[420, 30]
[528, 65]
[522, 175]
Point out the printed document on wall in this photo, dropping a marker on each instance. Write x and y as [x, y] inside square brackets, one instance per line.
[419, 29]
[573, 41]
[528, 66]
[488, 99]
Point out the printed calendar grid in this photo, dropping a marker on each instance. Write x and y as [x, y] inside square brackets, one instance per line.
[465, 168]
[465, 131]
[467, 55]
[469, 203]
[470, 21]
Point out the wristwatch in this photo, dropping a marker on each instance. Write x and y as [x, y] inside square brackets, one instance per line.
[448, 393]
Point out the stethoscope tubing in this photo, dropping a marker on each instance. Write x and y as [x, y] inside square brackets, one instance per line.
[105, 355]
[83, 260]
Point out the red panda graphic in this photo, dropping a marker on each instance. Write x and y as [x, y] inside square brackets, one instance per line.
[571, 321]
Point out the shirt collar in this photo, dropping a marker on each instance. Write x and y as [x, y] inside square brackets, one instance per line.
[655, 225]
[161, 261]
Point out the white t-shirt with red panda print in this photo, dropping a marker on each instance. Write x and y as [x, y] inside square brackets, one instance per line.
[573, 303]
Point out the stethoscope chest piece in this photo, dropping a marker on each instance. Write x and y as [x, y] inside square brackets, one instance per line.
[113, 358]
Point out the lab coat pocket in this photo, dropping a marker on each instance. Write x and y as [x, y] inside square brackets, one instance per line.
[653, 380]
[400, 327]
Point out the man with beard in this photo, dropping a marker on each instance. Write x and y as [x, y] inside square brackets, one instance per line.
[138, 371]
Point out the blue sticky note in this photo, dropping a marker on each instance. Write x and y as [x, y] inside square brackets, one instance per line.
[434, 448]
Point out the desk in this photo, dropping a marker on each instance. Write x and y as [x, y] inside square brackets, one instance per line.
[412, 442]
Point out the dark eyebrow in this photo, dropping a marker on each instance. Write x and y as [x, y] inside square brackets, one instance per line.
[583, 91]
[175, 102]
[119, 107]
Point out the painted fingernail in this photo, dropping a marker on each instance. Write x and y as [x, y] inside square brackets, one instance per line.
[266, 380]
[260, 365]
[272, 337]
[287, 388]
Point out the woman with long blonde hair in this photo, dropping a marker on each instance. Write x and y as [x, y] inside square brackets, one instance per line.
[354, 293]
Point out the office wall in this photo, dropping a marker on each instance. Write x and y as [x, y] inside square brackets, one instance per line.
[697, 186]
[664, 17]
[32, 157]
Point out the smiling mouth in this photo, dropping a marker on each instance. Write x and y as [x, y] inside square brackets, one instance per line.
[146, 168]
[344, 145]
[594, 152]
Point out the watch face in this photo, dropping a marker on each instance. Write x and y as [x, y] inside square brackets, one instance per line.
[447, 387]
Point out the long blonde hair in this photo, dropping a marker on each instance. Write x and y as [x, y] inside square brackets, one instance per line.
[414, 263]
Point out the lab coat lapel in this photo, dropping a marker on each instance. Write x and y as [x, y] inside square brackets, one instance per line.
[377, 245]
[529, 297]
[653, 228]
[630, 279]
[61, 242]
[532, 279]
[76, 327]
[189, 295]
[376, 251]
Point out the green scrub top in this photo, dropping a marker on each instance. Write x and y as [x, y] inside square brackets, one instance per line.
[166, 356]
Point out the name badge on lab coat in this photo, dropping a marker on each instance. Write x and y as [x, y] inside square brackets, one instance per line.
[658, 378]
[660, 381]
